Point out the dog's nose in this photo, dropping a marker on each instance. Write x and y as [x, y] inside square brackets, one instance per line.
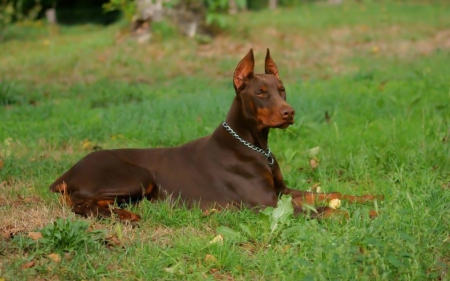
[287, 112]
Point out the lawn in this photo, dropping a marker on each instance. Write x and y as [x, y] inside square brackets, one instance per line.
[370, 83]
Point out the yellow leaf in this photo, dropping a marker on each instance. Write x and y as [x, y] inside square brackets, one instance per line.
[117, 137]
[54, 257]
[314, 163]
[8, 141]
[25, 266]
[334, 203]
[210, 258]
[35, 235]
[87, 144]
[208, 212]
[218, 239]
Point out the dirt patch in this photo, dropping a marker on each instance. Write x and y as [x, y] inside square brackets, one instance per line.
[25, 217]
[327, 51]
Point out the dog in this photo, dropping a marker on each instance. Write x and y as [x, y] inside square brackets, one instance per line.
[231, 168]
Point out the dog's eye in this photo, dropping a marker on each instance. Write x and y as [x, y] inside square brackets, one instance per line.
[261, 94]
[283, 89]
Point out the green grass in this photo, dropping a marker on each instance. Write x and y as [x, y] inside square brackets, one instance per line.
[380, 71]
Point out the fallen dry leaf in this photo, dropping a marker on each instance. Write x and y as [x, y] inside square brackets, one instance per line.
[112, 241]
[218, 239]
[1, 163]
[87, 145]
[16, 203]
[334, 203]
[54, 257]
[316, 188]
[8, 141]
[375, 49]
[210, 258]
[373, 214]
[208, 212]
[28, 265]
[35, 235]
[314, 163]
[214, 270]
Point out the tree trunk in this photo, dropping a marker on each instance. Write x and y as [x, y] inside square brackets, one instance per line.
[148, 11]
[273, 4]
[50, 14]
[232, 7]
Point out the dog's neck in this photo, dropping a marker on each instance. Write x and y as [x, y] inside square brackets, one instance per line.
[245, 126]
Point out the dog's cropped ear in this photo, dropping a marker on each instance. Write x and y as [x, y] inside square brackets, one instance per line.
[270, 66]
[244, 71]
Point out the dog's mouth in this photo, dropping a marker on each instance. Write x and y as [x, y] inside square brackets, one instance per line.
[284, 124]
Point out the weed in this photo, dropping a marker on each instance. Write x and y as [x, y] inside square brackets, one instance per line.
[64, 235]
[270, 227]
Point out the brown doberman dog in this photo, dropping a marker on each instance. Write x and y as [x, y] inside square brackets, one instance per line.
[233, 167]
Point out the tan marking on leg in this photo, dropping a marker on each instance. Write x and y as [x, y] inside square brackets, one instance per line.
[125, 215]
[61, 188]
[305, 198]
[65, 197]
[325, 197]
[149, 189]
[105, 203]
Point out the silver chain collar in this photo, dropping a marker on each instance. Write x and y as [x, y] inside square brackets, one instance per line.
[267, 153]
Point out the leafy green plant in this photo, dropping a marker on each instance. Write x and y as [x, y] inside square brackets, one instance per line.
[217, 10]
[14, 11]
[6, 13]
[65, 235]
[277, 219]
[127, 7]
[271, 226]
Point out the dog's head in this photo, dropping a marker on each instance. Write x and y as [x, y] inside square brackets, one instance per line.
[262, 96]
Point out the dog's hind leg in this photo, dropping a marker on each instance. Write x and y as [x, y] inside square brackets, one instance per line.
[90, 192]
[103, 208]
